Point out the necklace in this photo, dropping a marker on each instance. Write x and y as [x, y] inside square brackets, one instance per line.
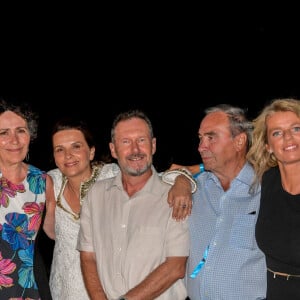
[84, 187]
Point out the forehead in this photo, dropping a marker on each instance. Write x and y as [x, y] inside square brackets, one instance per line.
[282, 118]
[134, 126]
[216, 121]
[9, 118]
[68, 135]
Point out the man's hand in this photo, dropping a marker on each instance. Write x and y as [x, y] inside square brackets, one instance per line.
[180, 198]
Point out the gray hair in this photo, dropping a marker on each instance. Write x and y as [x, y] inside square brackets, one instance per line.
[237, 120]
[130, 115]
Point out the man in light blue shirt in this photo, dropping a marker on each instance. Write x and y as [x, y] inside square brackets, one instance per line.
[225, 261]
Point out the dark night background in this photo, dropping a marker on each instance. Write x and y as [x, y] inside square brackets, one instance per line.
[172, 62]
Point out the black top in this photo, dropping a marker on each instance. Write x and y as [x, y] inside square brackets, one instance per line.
[41, 264]
[278, 235]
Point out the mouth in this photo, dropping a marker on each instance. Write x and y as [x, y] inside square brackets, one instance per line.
[206, 157]
[14, 150]
[136, 157]
[290, 148]
[71, 164]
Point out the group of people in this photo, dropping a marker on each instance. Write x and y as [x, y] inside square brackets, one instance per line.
[121, 232]
[25, 195]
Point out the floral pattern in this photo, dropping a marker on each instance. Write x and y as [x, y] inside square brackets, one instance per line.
[21, 209]
[8, 189]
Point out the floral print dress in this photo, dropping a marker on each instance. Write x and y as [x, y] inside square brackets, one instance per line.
[21, 208]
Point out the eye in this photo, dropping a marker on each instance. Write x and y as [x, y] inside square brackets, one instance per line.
[3, 132]
[296, 129]
[22, 130]
[142, 140]
[76, 147]
[125, 142]
[277, 133]
[58, 150]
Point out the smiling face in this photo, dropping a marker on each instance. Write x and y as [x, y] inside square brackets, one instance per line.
[72, 154]
[133, 146]
[283, 132]
[14, 138]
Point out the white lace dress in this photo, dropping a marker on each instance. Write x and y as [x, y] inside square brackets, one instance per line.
[66, 280]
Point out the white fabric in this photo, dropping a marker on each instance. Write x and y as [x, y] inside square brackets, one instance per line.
[66, 280]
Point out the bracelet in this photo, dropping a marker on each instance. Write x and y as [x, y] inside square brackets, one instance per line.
[170, 176]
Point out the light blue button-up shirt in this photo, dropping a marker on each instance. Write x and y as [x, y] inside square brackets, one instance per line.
[235, 268]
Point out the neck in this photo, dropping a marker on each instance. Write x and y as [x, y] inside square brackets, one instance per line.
[133, 184]
[14, 173]
[290, 178]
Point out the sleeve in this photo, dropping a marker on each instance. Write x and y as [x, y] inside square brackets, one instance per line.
[178, 238]
[84, 241]
[56, 176]
[109, 171]
[170, 176]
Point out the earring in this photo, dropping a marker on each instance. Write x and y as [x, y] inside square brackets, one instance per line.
[27, 156]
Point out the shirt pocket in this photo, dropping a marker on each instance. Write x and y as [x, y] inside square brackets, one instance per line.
[243, 231]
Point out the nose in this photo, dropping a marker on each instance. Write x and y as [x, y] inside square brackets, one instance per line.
[68, 153]
[14, 138]
[287, 134]
[135, 146]
[202, 145]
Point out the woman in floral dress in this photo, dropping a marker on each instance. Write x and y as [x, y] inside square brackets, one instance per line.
[22, 202]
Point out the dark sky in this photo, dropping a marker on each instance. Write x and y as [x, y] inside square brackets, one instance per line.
[170, 65]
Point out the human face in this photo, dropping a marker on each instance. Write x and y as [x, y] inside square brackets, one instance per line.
[216, 145]
[14, 138]
[72, 154]
[133, 146]
[283, 133]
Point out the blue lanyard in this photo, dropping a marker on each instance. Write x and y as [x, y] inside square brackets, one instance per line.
[201, 170]
[201, 264]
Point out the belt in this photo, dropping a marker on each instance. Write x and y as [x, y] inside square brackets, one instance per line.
[287, 276]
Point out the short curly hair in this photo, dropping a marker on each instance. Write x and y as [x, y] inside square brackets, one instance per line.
[24, 111]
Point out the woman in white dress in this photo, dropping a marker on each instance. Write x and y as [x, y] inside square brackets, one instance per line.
[73, 150]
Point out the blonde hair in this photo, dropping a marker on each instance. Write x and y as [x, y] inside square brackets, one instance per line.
[258, 155]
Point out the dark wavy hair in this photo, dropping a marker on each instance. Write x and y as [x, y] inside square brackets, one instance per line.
[74, 123]
[24, 111]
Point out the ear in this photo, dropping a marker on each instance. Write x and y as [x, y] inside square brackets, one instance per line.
[153, 145]
[240, 141]
[92, 153]
[268, 149]
[113, 150]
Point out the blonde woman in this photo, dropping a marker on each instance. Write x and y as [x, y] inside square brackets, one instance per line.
[275, 155]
